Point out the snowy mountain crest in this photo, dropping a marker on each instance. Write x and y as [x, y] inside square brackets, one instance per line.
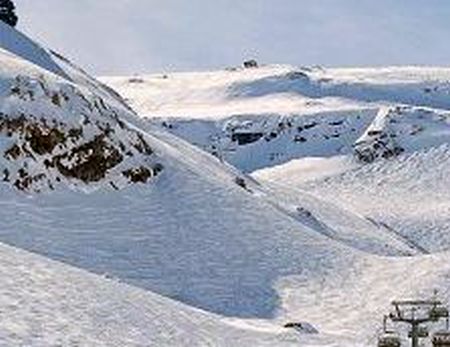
[258, 118]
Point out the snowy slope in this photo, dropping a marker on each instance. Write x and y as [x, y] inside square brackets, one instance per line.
[45, 303]
[53, 131]
[329, 121]
[182, 231]
[60, 200]
[370, 150]
[409, 195]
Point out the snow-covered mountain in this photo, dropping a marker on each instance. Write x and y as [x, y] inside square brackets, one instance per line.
[105, 187]
[256, 118]
[293, 125]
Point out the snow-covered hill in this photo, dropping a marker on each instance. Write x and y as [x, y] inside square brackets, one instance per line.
[88, 182]
[255, 118]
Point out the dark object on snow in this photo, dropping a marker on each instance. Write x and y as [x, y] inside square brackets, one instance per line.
[336, 123]
[250, 64]
[297, 75]
[246, 138]
[310, 125]
[302, 327]
[136, 80]
[8, 12]
[240, 182]
[299, 138]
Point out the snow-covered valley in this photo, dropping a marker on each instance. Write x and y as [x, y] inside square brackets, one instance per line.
[209, 209]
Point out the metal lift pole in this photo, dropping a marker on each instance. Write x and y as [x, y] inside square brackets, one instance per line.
[414, 329]
[413, 321]
[414, 334]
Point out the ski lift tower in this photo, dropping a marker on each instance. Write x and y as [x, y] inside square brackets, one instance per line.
[416, 313]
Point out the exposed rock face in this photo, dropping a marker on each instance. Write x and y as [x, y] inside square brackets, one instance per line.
[140, 174]
[379, 140]
[382, 145]
[88, 162]
[246, 138]
[55, 133]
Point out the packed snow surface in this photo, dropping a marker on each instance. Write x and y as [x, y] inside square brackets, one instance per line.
[45, 303]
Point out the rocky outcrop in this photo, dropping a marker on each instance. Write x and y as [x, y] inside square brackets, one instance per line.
[56, 133]
[381, 145]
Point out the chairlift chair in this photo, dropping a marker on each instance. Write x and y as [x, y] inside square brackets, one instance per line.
[422, 332]
[441, 339]
[438, 312]
[389, 339]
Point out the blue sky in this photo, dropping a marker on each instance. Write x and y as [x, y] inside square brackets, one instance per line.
[133, 36]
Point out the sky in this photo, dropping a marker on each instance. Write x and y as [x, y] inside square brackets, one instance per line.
[117, 37]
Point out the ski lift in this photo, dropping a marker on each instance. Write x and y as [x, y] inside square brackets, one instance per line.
[442, 338]
[416, 313]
